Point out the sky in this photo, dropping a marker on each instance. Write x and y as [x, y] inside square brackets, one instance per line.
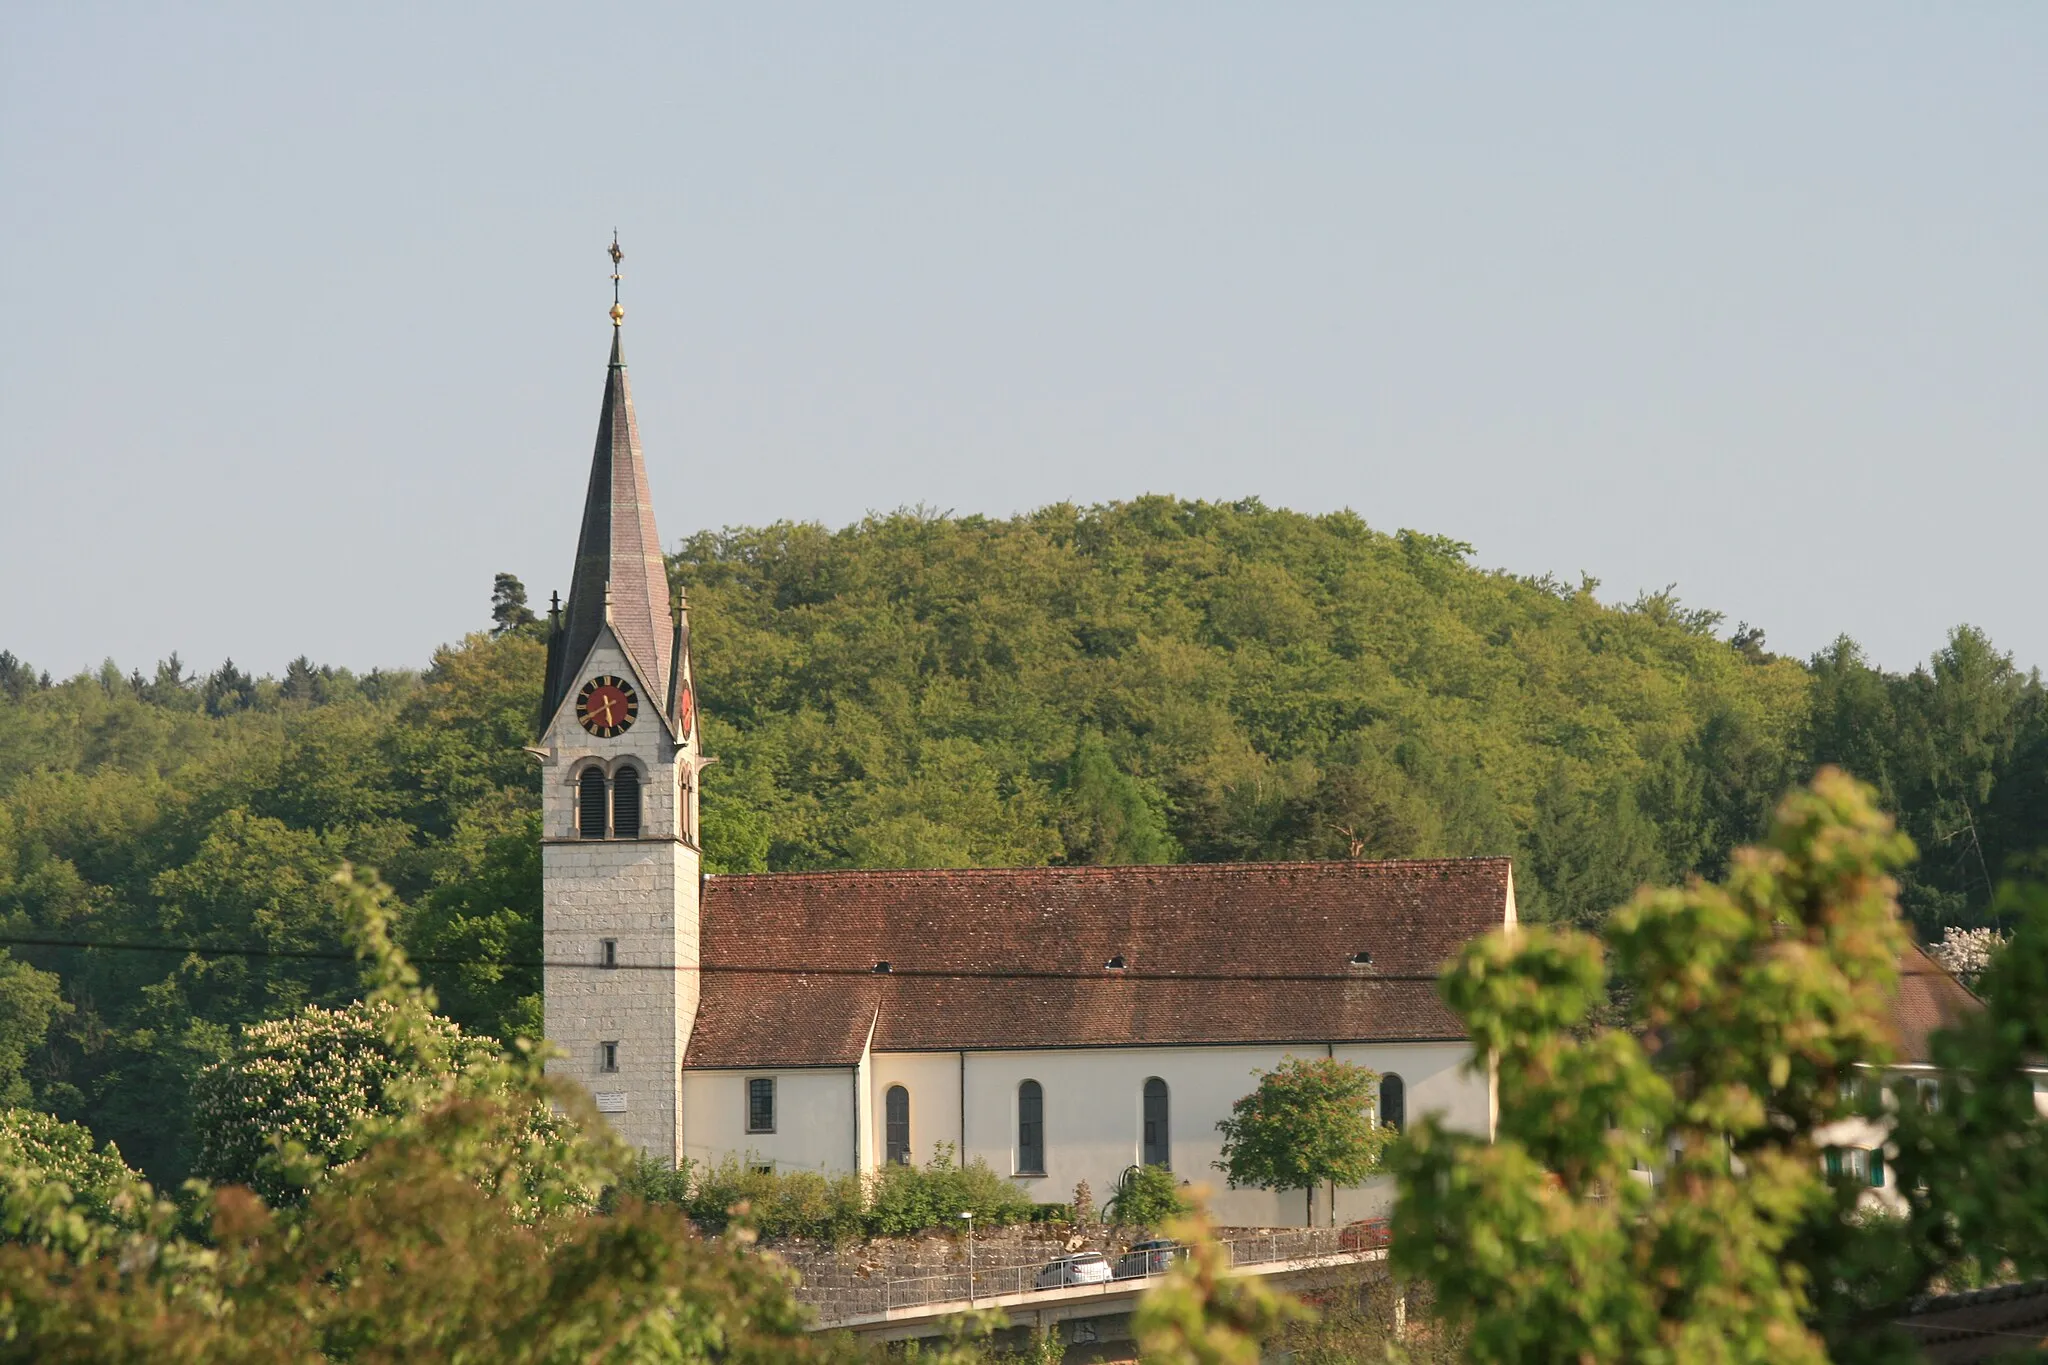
[302, 308]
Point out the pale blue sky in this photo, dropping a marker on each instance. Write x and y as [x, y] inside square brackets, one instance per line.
[304, 314]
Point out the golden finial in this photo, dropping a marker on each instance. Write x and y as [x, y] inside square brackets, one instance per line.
[618, 310]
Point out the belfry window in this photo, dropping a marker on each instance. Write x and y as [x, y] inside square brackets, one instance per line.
[626, 804]
[608, 808]
[896, 1126]
[591, 801]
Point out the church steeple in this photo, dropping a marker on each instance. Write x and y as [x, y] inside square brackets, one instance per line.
[619, 572]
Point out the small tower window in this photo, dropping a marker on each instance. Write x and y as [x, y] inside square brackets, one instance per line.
[896, 1126]
[607, 1056]
[626, 804]
[590, 804]
[608, 953]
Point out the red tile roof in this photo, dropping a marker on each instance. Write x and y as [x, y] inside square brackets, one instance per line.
[1929, 999]
[1014, 958]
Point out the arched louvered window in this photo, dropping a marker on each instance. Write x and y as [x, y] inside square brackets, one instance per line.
[1393, 1101]
[626, 804]
[1030, 1129]
[1158, 1139]
[590, 804]
[896, 1126]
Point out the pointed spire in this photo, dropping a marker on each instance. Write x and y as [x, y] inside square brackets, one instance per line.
[619, 574]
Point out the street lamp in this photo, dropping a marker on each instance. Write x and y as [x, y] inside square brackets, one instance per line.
[969, 1216]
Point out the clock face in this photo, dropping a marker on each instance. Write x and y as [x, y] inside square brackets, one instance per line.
[686, 710]
[606, 706]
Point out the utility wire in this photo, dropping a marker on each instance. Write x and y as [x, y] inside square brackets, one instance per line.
[968, 973]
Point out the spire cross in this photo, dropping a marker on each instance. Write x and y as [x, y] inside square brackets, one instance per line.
[618, 311]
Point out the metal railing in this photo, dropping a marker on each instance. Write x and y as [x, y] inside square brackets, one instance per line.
[1010, 1283]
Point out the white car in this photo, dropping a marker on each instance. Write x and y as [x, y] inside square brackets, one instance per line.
[1090, 1267]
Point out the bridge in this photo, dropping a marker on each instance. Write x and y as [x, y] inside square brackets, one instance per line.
[896, 1309]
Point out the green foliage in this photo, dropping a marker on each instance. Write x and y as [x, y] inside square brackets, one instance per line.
[436, 1243]
[908, 1199]
[1309, 1120]
[1665, 1206]
[773, 1203]
[39, 1151]
[1147, 1197]
[1201, 1314]
[308, 1082]
[29, 1002]
[897, 1201]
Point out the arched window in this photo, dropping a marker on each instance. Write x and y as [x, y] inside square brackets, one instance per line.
[590, 803]
[626, 804]
[1393, 1101]
[1030, 1129]
[1158, 1140]
[896, 1126]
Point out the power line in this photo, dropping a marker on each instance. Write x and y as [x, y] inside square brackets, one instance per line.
[964, 973]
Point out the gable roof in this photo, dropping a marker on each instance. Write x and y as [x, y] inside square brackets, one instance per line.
[1929, 999]
[1014, 957]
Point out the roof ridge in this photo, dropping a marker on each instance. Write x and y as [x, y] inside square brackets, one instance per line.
[1094, 871]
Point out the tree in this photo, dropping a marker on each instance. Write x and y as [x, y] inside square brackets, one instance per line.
[1109, 816]
[38, 1151]
[1667, 1204]
[29, 1001]
[1307, 1122]
[509, 611]
[1146, 1197]
[311, 1081]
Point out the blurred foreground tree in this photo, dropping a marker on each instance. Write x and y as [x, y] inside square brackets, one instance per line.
[1656, 1192]
[445, 1239]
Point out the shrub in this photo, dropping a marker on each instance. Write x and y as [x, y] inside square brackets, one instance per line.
[1146, 1196]
[1052, 1213]
[910, 1200]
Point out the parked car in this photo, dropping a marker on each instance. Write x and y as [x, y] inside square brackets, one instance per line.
[1149, 1258]
[1090, 1267]
[1368, 1234]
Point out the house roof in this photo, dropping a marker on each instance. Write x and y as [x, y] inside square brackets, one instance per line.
[1929, 999]
[1015, 957]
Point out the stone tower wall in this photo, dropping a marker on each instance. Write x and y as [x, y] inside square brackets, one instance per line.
[643, 894]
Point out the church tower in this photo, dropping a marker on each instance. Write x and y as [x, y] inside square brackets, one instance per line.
[620, 863]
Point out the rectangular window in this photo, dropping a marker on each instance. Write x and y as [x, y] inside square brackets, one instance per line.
[1833, 1160]
[608, 1056]
[610, 952]
[1876, 1158]
[761, 1104]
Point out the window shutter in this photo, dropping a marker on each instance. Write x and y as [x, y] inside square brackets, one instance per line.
[626, 804]
[590, 804]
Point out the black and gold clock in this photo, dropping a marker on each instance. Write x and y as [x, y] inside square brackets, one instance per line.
[606, 706]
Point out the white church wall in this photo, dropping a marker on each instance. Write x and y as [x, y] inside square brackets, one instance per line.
[933, 1080]
[814, 1118]
[1094, 1112]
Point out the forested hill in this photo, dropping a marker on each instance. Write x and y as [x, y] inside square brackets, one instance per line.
[1144, 681]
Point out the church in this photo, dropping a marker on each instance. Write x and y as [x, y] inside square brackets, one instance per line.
[1059, 1023]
